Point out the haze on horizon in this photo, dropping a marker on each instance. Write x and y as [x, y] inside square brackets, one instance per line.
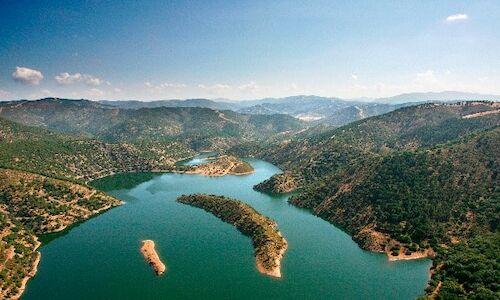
[246, 50]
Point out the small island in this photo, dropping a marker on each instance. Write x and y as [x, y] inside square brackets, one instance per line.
[268, 242]
[223, 165]
[151, 256]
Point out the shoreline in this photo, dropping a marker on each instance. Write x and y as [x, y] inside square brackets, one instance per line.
[427, 253]
[32, 273]
[34, 268]
[276, 271]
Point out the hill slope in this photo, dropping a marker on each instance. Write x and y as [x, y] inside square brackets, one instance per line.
[42, 151]
[195, 127]
[31, 205]
[411, 182]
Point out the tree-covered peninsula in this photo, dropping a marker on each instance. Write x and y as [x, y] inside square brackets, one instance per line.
[267, 240]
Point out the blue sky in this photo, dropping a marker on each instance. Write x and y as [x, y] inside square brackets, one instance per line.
[246, 49]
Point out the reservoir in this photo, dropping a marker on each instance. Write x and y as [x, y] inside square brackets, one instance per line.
[207, 258]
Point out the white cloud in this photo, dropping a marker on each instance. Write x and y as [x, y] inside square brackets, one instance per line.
[95, 93]
[167, 89]
[93, 81]
[167, 85]
[27, 76]
[252, 86]
[427, 77]
[46, 92]
[216, 89]
[117, 90]
[4, 94]
[457, 18]
[354, 76]
[66, 79]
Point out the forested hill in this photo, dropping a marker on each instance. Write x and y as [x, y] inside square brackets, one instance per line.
[31, 205]
[418, 178]
[198, 128]
[58, 155]
[408, 128]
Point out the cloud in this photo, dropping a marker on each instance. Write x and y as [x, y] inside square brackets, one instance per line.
[27, 76]
[94, 81]
[216, 89]
[95, 93]
[167, 85]
[354, 76]
[252, 86]
[46, 92]
[117, 90]
[427, 77]
[66, 79]
[4, 94]
[457, 18]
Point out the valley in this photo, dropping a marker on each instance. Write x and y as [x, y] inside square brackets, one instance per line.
[404, 183]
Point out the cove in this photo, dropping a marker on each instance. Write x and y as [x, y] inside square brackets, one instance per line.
[207, 258]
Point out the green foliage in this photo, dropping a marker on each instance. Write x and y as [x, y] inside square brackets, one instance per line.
[194, 127]
[267, 240]
[470, 269]
[33, 204]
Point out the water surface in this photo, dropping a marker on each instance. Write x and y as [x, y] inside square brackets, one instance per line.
[207, 258]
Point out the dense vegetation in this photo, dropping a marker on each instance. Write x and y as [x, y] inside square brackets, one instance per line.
[415, 179]
[280, 183]
[420, 179]
[195, 127]
[468, 270]
[31, 205]
[267, 240]
[78, 158]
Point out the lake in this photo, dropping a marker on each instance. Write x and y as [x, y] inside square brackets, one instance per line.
[205, 257]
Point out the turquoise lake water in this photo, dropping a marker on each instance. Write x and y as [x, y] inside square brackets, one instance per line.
[207, 258]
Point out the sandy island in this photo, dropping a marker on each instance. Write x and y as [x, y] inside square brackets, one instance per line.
[151, 256]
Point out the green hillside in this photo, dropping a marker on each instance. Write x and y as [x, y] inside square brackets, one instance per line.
[31, 205]
[196, 127]
[420, 179]
[79, 158]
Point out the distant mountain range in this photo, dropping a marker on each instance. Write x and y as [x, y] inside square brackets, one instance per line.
[310, 108]
[439, 96]
[194, 127]
[136, 104]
